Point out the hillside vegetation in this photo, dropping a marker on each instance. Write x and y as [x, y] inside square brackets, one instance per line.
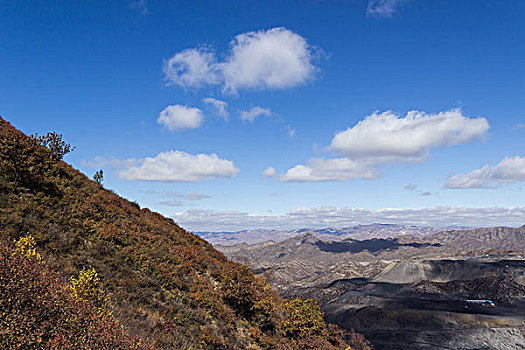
[164, 287]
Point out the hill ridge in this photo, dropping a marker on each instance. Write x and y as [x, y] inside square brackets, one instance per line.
[166, 285]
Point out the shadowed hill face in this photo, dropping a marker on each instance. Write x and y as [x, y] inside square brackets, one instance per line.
[373, 245]
[168, 286]
[305, 261]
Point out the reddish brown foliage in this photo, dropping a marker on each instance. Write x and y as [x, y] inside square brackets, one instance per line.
[36, 311]
[168, 286]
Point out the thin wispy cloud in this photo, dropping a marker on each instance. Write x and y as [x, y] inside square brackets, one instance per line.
[172, 203]
[140, 6]
[322, 217]
[290, 132]
[410, 187]
[193, 196]
[249, 116]
[219, 107]
[267, 59]
[383, 8]
[110, 162]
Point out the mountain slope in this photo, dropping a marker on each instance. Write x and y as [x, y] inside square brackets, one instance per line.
[305, 261]
[165, 285]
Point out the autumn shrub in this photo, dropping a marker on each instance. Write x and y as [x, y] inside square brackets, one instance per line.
[357, 341]
[26, 247]
[37, 311]
[86, 288]
[304, 319]
[241, 290]
[31, 161]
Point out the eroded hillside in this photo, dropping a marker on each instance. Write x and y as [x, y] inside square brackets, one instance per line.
[408, 292]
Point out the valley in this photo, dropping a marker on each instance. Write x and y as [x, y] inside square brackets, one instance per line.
[407, 292]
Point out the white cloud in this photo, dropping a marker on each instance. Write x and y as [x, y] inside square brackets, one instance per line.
[110, 162]
[210, 220]
[179, 117]
[267, 59]
[275, 59]
[290, 131]
[254, 113]
[179, 166]
[510, 169]
[385, 138]
[385, 8]
[192, 68]
[338, 169]
[219, 107]
[388, 138]
[268, 172]
[519, 126]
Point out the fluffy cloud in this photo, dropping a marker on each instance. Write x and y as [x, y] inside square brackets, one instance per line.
[179, 166]
[385, 8]
[254, 113]
[179, 117]
[268, 172]
[276, 59]
[338, 169]
[209, 220]
[267, 59]
[386, 138]
[510, 169]
[192, 68]
[219, 107]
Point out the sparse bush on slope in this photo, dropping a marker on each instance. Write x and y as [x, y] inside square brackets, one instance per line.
[37, 311]
[165, 285]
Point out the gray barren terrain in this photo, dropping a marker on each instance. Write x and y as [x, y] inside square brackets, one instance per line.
[407, 292]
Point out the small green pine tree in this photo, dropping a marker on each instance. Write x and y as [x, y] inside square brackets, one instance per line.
[99, 177]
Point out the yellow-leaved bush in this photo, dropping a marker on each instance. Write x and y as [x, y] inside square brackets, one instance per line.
[26, 246]
[304, 319]
[86, 288]
[38, 312]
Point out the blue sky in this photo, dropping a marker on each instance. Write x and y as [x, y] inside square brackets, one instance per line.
[230, 115]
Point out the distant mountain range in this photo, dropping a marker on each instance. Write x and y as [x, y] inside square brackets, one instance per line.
[405, 292]
[358, 232]
[306, 261]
